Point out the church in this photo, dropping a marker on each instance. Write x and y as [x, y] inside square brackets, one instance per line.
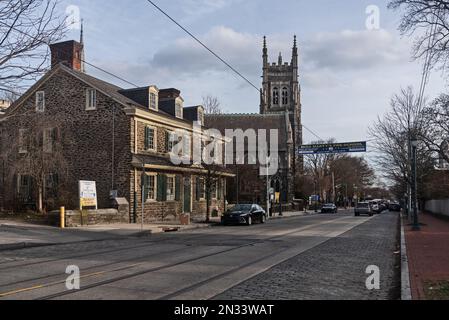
[280, 108]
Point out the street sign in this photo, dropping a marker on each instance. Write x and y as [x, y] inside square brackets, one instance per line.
[329, 148]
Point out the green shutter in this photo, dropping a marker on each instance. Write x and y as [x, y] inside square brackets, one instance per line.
[164, 187]
[160, 188]
[167, 138]
[178, 188]
[197, 191]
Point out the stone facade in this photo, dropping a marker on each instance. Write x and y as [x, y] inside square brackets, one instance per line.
[102, 137]
[280, 109]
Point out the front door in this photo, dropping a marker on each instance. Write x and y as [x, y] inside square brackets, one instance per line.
[187, 195]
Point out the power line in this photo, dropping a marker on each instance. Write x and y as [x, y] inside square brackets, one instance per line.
[215, 54]
[110, 73]
[313, 133]
[203, 45]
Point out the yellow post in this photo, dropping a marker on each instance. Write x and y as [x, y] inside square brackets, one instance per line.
[62, 217]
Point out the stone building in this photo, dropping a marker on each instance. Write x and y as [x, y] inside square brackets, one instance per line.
[280, 108]
[105, 134]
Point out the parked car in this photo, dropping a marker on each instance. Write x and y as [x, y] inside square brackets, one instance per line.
[244, 214]
[329, 208]
[375, 207]
[363, 208]
[395, 207]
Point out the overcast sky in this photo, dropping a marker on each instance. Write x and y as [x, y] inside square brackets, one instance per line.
[347, 72]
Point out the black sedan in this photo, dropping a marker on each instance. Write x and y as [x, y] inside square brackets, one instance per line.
[329, 208]
[244, 214]
[394, 207]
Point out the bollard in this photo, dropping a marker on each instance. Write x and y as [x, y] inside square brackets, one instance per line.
[62, 217]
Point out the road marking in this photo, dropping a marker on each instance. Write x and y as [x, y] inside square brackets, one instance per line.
[45, 285]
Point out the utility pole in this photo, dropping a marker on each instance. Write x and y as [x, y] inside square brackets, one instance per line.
[416, 226]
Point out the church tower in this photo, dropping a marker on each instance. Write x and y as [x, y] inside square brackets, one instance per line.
[281, 93]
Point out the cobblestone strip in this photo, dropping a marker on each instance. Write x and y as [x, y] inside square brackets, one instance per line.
[335, 270]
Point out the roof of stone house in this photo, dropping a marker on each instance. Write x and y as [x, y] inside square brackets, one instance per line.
[268, 122]
[113, 91]
[107, 88]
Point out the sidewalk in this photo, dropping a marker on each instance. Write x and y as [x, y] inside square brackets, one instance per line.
[17, 235]
[428, 256]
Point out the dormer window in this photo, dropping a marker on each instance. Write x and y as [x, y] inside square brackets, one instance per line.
[178, 111]
[153, 101]
[91, 99]
[201, 117]
[40, 101]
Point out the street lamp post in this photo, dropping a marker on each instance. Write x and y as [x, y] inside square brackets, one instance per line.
[414, 144]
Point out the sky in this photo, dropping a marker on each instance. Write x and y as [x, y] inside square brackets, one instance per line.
[348, 73]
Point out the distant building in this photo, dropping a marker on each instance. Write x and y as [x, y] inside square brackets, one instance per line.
[443, 164]
[108, 135]
[280, 108]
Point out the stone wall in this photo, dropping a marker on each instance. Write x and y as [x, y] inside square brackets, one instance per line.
[89, 217]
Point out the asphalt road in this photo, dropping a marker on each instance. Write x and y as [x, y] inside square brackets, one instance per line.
[197, 264]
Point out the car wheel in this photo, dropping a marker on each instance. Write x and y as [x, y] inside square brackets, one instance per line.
[263, 219]
[249, 221]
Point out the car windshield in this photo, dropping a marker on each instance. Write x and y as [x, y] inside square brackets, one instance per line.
[363, 205]
[242, 207]
[329, 205]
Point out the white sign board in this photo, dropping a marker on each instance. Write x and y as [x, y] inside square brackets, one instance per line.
[88, 194]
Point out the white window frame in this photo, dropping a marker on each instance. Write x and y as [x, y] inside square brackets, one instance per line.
[23, 148]
[171, 197]
[202, 195]
[172, 140]
[154, 198]
[48, 140]
[40, 101]
[154, 138]
[91, 99]
[187, 146]
[201, 117]
[179, 111]
[150, 104]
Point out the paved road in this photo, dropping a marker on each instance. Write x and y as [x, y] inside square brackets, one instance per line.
[197, 264]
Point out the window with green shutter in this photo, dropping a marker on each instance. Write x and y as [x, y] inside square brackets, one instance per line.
[161, 187]
[178, 188]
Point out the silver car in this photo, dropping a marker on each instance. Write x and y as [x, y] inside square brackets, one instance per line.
[363, 208]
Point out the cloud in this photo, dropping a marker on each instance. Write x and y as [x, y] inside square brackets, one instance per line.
[186, 56]
[353, 50]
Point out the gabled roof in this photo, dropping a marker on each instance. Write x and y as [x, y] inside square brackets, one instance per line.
[256, 122]
[104, 87]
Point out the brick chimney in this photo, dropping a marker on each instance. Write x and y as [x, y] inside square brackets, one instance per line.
[70, 53]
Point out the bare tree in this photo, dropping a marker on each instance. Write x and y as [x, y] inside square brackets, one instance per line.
[429, 21]
[436, 132]
[212, 105]
[26, 29]
[392, 134]
[36, 155]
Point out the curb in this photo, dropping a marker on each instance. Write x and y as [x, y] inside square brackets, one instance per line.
[406, 294]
